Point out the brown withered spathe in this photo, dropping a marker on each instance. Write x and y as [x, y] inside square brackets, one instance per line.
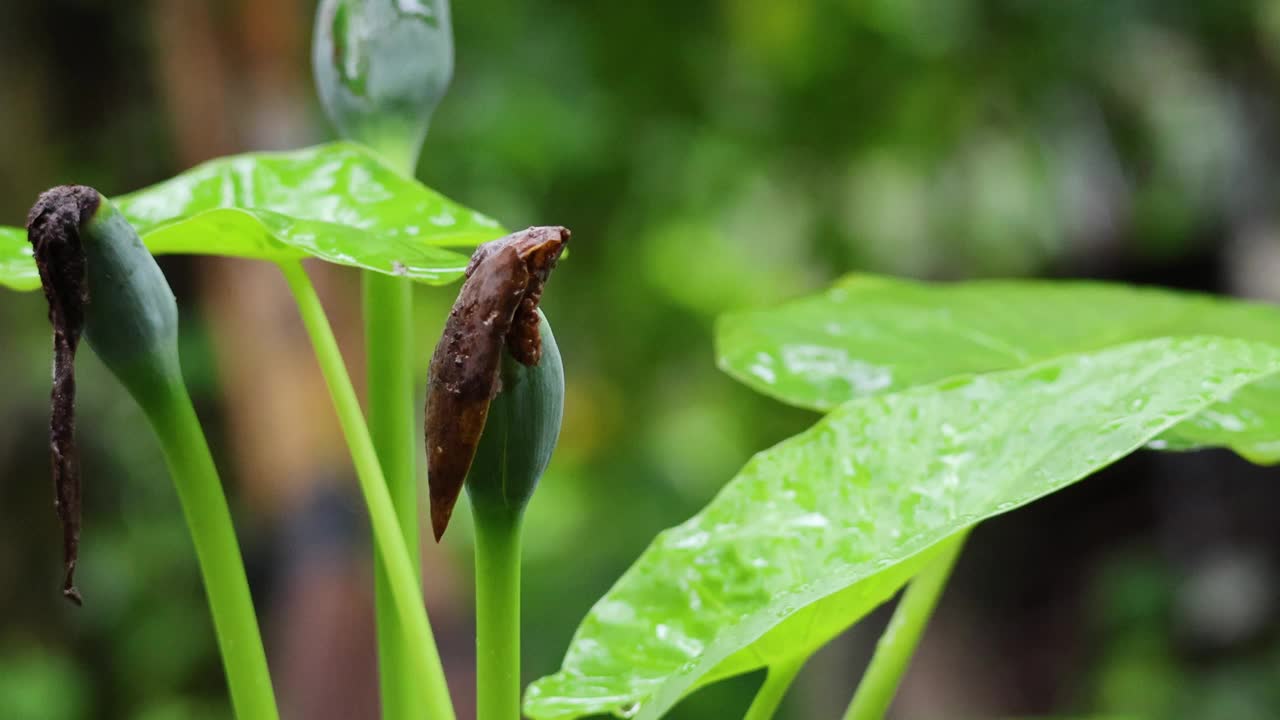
[53, 228]
[496, 307]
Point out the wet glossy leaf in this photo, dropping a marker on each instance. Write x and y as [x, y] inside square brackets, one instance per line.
[336, 202]
[816, 531]
[873, 335]
[17, 267]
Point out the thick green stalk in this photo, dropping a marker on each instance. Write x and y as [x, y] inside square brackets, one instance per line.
[209, 521]
[898, 643]
[388, 322]
[390, 379]
[131, 323]
[774, 688]
[497, 537]
[424, 666]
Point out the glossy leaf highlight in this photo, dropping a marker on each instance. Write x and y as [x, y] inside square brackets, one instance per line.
[818, 530]
[872, 335]
[17, 266]
[337, 202]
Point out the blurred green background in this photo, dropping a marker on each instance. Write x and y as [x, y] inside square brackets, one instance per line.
[708, 156]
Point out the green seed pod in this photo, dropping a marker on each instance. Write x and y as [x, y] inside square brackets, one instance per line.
[495, 322]
[521, 431]
[381, 68]
[99, 279]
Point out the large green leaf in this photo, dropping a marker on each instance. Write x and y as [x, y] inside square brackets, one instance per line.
[816, 531]
[872, 335]
[337, 202]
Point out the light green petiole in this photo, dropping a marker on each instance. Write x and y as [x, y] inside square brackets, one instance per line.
[898, 643]
[497, 538]
[390, 379]
[774, 688]
[421, 667]
[132, 325]
[209, 520]
[388, 326]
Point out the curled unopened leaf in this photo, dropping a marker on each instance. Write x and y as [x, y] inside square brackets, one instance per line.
[381, 68]
[53, 228]
[497, 307]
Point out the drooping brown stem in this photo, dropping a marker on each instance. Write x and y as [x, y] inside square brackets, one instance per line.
[53, 228]
[496, 307]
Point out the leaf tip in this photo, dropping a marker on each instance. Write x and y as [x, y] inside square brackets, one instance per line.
[440, 514]
[72, 593]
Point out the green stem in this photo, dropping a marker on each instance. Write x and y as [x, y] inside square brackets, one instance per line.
[209, 521]
[774, 688]
[424, 659]
[388, 322]
[497, 537]
[898, 643]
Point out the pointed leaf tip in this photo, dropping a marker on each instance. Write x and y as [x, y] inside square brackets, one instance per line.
[440, 516]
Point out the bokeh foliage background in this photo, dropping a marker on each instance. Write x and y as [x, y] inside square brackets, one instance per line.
[708, 156]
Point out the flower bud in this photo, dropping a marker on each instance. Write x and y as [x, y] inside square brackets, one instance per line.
[381, 68]
[99, 279]
[131, 321]
[495, 322]
[522, 428]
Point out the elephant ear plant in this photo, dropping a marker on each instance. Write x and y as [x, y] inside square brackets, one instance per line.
[941, 406]
[381, 68]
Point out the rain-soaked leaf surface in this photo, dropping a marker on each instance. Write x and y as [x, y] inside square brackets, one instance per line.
[17, 267]
[337, 202]
[818, 530]
[871, 335]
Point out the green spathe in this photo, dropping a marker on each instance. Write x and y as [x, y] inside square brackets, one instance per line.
[514, 449]
[131, 321]
[521, 431]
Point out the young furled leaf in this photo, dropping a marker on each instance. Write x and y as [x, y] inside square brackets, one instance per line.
[381, 68]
